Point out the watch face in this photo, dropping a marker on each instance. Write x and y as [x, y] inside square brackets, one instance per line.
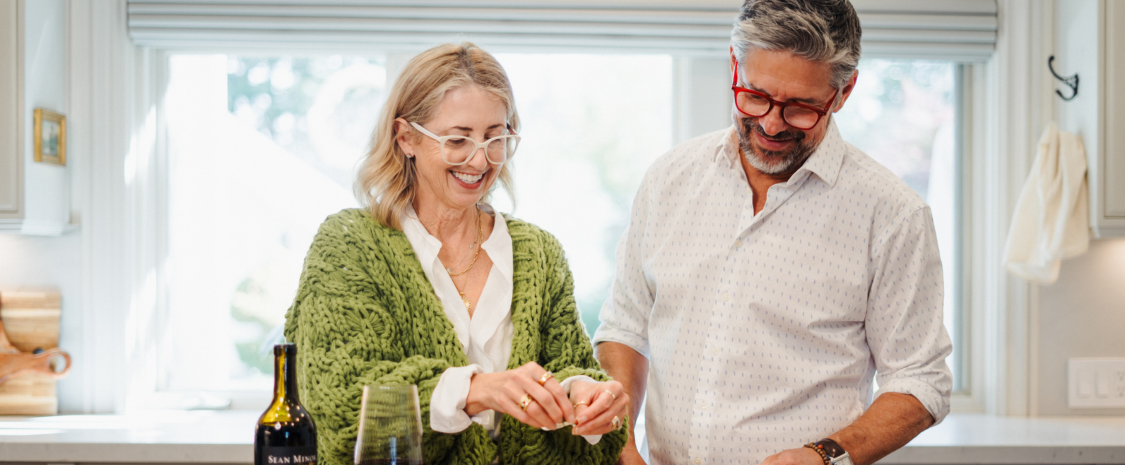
[831, 448]
[842, 460]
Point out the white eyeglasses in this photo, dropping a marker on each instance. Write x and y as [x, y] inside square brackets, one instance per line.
[458, 150]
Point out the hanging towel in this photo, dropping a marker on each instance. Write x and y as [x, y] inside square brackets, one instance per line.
[1051, 221]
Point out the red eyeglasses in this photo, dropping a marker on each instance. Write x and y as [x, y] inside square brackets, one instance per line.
[756, 104]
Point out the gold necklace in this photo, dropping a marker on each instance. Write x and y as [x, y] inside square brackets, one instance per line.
[469, 251]
[480, 232]
[465, 298]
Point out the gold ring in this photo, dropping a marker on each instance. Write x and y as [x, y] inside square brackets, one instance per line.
[611, 394]
[546, 377]
[615, 422]
[525, 401]
[581, 402]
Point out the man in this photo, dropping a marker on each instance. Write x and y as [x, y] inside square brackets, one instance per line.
[771, 269]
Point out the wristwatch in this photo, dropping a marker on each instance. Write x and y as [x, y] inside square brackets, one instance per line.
[836, 454]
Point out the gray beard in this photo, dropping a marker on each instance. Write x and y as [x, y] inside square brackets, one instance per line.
[773, 162]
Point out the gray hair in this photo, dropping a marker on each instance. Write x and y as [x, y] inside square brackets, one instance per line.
[824, 31]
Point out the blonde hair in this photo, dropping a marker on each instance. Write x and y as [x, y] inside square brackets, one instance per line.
[387, 180]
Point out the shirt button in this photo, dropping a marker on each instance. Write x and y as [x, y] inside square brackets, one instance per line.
[704, 407]
[726, 297]
[749, 191]
[715, 351]
[738, 244]
[697, 461]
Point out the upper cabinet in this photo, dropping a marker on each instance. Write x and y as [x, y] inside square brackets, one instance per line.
[1090, 42]
[34, 193]
[1109, 216]
[10, 107]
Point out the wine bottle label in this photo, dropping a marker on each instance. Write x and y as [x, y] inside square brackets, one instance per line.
[289, 455]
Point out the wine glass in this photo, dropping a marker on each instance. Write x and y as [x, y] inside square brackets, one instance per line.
[390, 426]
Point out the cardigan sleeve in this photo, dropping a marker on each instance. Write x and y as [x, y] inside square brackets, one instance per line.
[346, 338]
[566, 351]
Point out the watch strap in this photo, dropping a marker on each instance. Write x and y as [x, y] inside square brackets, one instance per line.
[831, 448]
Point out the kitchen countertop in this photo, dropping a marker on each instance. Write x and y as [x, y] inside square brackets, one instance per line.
[226, 437]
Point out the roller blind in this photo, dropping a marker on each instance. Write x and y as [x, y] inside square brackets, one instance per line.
[949, 29]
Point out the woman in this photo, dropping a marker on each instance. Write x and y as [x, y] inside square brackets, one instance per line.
[429, 286]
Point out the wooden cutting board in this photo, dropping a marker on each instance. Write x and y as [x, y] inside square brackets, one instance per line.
[31, 319]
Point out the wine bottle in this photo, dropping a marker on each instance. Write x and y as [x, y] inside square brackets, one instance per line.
[286, 434]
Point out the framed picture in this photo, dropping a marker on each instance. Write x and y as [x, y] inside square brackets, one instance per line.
[50, 137]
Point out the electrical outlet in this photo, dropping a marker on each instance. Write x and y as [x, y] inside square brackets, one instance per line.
[1096, 382]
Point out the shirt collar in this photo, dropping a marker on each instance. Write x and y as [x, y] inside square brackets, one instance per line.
[499, 243]
[824, 162]
[413, 228]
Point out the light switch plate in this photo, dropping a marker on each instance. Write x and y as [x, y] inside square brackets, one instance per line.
[1096, 382]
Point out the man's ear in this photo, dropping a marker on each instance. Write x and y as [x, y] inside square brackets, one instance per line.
[847, 91]
[733, 64]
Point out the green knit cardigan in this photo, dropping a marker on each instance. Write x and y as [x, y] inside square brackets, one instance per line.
[366, 314]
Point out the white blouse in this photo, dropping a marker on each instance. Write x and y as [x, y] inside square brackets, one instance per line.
[486, 337]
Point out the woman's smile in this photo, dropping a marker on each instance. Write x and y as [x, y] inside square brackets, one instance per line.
[467, 180]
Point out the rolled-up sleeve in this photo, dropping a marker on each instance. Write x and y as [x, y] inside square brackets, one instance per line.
[624, 316]
[447, 405]
[904, 326]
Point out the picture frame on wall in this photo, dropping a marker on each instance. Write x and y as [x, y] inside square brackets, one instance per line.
[50, 137]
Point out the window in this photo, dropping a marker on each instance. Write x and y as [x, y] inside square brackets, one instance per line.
[902, 114]
[592, 126]
[262, 149]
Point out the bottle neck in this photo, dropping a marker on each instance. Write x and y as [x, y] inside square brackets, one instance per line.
[285, 377]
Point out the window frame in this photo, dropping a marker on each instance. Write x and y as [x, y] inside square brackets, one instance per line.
[688, 102]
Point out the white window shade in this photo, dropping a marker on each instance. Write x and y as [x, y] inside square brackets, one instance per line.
[963, 30]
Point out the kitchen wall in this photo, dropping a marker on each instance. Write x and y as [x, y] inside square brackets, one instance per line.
[1081, 315]
[46, 85]
[49, 261]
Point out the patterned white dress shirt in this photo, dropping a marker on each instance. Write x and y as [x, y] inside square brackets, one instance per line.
[763, 332]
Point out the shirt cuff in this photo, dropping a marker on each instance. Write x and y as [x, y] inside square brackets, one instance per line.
[933, 399]
[632, 340]
[593, 439]
[447, 404]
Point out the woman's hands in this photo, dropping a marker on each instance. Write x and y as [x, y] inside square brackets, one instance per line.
[593, 407]
[546, 404]
[600, 408]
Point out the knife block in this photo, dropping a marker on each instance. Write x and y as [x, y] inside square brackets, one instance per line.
[31, 319]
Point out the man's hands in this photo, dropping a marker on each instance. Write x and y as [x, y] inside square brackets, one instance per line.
[798, 456]
[505, 390]
[888, 424]
[630, 368]
[599, 408]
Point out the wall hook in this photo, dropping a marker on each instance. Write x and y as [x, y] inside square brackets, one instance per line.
[1071, 82]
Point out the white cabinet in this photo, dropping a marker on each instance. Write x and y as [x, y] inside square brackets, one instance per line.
[10, 105]
[34, 196]
[1089, 41]
[1109, 211]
